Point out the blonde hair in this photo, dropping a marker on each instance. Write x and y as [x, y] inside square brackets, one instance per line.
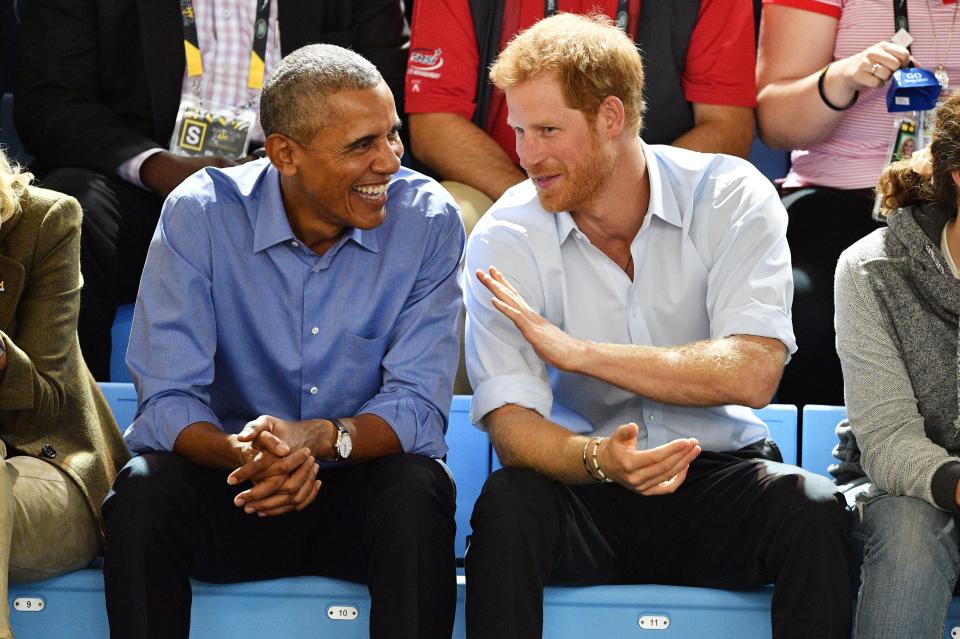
[13, 182]
[926, 177]
[591, 56]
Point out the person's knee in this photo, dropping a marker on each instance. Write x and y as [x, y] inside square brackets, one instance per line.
[145, 490]
[910, 535]
[512, 498]
[411, 490]
[810, 503]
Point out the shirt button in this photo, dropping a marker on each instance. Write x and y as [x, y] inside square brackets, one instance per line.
[226, 13]
[634, 312]
[653, 418]
[314, 390]
[316, 269]
[314, 330]
[295, 244]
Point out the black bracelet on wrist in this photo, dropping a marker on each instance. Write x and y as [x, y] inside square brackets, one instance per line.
[823, 94]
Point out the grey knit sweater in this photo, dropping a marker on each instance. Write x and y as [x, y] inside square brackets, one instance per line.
[897, 308]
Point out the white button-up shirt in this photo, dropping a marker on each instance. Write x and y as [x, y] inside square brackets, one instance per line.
[710, 260]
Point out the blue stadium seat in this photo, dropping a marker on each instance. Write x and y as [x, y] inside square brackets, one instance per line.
[293, 608]
[772, 163]
[819, 437]
[675, 611]
[301, 608]
[781, 419]
[469, 459]
[122, 397]
[120, 335]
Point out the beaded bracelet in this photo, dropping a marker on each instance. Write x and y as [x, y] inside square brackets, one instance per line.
[601, 476]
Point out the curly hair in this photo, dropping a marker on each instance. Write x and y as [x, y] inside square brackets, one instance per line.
[591, 56]
[902, 184]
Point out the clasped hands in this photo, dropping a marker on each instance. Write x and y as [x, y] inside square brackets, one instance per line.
[656, 471]
[277, 458]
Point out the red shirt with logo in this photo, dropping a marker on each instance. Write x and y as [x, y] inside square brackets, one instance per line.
[442, 70]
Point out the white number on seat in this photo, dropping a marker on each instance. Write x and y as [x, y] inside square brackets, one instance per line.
[342, 613]
[28, 604]
[654, 622]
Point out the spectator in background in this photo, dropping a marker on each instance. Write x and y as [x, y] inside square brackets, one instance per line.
[320, 291]
[898, 304]
[59, 445]
[646, 290]
[842, 137]
[97, 92]
[700, 60]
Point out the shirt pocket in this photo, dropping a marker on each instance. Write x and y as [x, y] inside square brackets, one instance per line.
[363, 366]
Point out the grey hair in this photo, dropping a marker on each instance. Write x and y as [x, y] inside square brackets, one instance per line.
[293, 94]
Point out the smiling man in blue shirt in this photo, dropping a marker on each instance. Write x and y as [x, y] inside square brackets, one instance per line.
[294, 345]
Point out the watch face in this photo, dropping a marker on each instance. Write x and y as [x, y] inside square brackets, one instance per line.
[344, 446]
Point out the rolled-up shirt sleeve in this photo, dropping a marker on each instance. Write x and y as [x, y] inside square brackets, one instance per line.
[502, 366]
[421, 360]
[173, 338]
[750, 285]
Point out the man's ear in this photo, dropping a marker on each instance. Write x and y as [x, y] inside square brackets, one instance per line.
[956, 179]
[282, 152]
[611, 116]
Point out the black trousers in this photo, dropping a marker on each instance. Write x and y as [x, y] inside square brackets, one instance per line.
[735, 523]
[387, 522]
[118, 222]
[823, 222]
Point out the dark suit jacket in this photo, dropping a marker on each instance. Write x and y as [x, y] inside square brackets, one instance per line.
[50, 406]
[98, 81]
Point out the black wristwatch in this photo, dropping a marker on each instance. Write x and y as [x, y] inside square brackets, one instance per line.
[343, 445]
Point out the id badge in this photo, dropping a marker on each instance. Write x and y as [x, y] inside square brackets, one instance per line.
[212, 131]
[905, 139]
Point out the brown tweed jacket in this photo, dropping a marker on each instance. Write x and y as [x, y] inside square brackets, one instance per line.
[50, 406]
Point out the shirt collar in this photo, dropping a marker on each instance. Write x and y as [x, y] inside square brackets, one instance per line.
[369, 240]
[272, 226]
[662, 202]
[565, 225]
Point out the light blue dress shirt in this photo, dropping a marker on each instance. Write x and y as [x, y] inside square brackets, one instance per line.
[710, 260]
[236, 318]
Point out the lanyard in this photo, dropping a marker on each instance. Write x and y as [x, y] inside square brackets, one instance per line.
[900, 17]
[623, 15]
[191, 43]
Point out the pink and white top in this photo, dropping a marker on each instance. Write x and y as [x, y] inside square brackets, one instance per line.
[225, 34]
[854, 154]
